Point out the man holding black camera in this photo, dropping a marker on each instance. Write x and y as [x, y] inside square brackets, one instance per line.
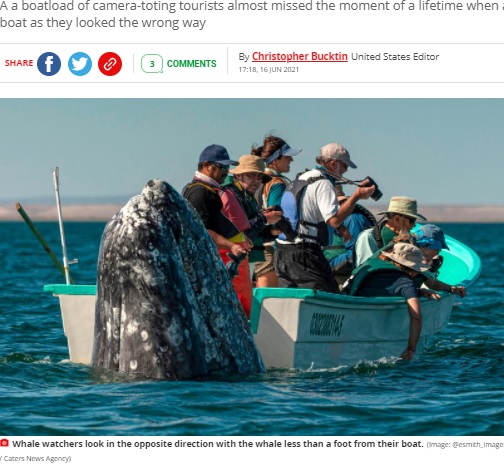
[310, 203]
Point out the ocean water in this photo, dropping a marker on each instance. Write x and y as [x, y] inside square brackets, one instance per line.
[455, 388]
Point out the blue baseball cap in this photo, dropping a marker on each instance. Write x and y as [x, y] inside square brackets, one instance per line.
[216, 153]
[429, 236]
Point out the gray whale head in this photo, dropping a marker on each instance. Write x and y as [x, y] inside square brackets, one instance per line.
[166, 307]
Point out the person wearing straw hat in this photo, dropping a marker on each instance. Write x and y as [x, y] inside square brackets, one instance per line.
[240, 208]
[277, 155]
[246, 179]
[394, 273]
[400, 217]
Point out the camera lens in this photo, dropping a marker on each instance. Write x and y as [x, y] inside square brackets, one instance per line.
[377, 194]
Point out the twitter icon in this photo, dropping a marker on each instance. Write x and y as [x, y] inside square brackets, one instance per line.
[79, 64]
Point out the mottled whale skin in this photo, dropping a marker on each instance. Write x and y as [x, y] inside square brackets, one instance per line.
[166, 307]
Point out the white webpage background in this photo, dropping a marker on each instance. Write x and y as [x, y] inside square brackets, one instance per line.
[467, 44]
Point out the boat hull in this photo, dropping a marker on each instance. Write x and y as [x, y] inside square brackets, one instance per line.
[77, 314]
[77, 305]
[317, 331]
[326, 332]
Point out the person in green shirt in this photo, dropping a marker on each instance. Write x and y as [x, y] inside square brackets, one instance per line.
[400, 217]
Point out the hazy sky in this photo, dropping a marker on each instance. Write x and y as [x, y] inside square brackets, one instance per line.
[439, 151]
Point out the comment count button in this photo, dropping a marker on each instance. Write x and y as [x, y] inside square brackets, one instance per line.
[152, 63]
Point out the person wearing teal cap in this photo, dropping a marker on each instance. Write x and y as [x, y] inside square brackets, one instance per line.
[430, 239]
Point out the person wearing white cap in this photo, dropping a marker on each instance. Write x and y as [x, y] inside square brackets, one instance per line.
[278, 156]
[310, 204]
[392, 274]
[400, 217]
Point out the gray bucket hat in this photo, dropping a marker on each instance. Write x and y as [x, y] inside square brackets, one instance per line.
[408, 255]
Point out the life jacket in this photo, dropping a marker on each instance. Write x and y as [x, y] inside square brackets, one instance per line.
[377, 231]
[372, 266]
[199, 183]
[290, 207]
[224, 226]
[262, 194]
[246, 200]
[249, 205]
[377, 228]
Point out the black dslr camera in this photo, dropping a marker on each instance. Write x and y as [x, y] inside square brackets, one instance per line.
[284, 225]
[377, 194]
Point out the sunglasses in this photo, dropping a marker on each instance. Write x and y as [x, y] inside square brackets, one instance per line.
[223, 168]
[411, 220]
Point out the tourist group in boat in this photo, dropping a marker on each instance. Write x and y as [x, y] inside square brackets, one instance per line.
[307, 233]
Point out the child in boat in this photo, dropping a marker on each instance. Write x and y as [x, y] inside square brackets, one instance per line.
[431, 240]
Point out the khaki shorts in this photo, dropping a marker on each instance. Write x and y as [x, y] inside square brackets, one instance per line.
[268, 264]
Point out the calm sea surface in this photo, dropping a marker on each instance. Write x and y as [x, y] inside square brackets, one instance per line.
[456, 388]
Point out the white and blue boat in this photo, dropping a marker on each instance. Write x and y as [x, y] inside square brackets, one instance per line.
[306, 329]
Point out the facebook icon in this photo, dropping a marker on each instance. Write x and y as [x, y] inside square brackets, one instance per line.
[49, 64]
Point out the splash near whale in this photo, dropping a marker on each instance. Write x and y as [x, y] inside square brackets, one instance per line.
[166, 307]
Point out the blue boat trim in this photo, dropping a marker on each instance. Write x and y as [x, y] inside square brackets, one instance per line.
[65, 289]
